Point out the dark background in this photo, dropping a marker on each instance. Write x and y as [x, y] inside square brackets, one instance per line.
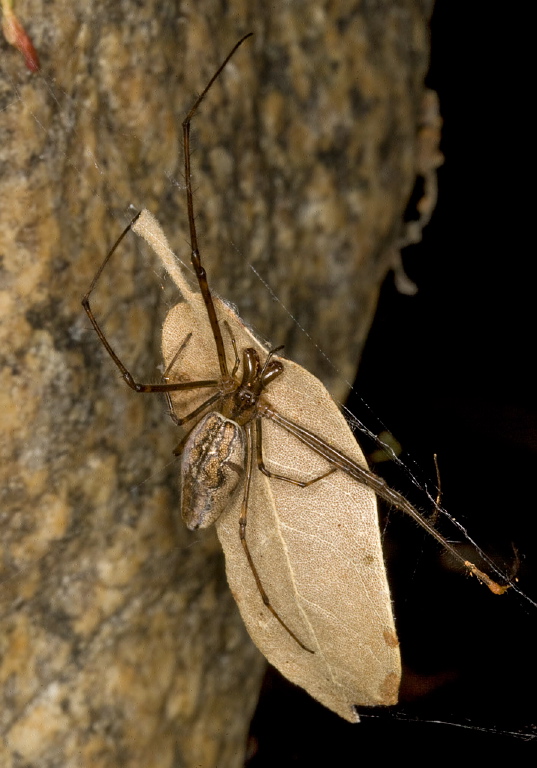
[450, 371]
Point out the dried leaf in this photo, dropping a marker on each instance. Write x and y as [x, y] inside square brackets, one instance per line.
[317, 549]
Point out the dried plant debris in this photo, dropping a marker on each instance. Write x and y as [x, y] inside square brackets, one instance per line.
[17, 36]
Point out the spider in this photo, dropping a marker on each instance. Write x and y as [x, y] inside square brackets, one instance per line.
[219, 456]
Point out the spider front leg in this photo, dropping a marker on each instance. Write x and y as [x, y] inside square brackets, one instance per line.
[261, 465]
[195, 256]
[126, 374]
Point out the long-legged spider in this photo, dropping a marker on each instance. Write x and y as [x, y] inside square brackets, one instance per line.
[219, 453]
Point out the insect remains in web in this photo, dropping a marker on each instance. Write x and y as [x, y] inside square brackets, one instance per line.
[271, 461]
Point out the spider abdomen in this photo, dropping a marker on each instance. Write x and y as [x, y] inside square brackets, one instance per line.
[212, 466]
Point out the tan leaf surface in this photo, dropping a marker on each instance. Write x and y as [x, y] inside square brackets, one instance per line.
[317, 549]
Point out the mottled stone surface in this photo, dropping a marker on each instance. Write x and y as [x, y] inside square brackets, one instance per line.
[120, 644]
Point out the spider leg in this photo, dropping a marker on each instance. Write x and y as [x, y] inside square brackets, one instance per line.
[195, 254]
[242, 533]
[273, 475]
[180, 420]
[383, 490]
[126, 374]
[172, 362]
